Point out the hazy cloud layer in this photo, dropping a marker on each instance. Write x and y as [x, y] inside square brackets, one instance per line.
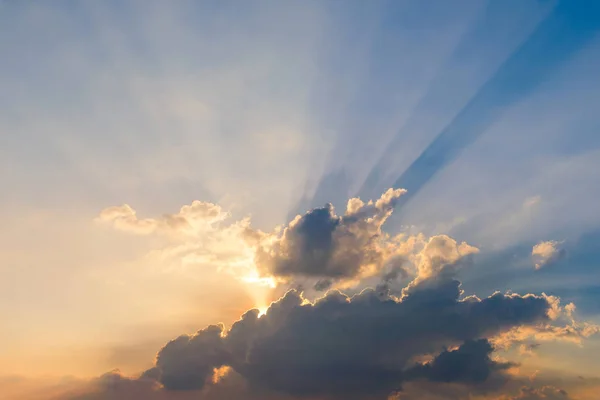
[114, 386]
[543, 393]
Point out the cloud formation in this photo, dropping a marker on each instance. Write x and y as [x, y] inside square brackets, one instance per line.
[325, 248]
[319, 250]
[369, 345]
[196, 217]
[321, 244]
[562, 326]
[199, 235]
[470, 363]
[546, 253]
[186, 362]
[115, 386]
[364, 345]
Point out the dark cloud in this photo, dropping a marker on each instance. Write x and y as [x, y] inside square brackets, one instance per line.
[322, 285]
[114, 386]
[345, 347]
[543, 393]
[470, 363]
[326, 246]
[188, 361]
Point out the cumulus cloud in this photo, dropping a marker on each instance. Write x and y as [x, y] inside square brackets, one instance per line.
[442, 255]
[329, 248]
[561, 326]
[319, 250]
[322, 244]
[340, 346]
[364, 345]
[188, 361]
[470, 363]
[115, 386]
[546, 253]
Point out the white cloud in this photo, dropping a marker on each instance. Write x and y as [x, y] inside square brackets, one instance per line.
[545, 253]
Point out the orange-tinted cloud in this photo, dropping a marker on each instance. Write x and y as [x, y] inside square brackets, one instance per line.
[340, 346]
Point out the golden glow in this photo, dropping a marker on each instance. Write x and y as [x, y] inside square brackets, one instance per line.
[220, 373]
[262, 310]
[260, 289]
[261, 281]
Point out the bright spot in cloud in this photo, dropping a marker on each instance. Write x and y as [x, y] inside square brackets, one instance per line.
[545, 253]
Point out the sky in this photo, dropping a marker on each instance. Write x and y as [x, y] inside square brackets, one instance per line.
[316, 199]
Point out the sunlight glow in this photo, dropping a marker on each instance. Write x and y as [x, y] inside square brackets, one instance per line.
[262, 310]
[254, 278]
[174, 169]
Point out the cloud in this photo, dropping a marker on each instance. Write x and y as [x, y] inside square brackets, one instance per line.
[188, 361]
[561, 326]
[470, 363]
[115, 386]
[327, 248]
[321, 244]
[442, 255]
[199, 235]
[196, 217]
[318, 250]
[346, 344]
[574, 333]
[362, 345]
[570, 309]
[528, 349]
[546, 253]
[543, 393]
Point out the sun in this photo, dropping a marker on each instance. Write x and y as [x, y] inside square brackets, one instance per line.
[262, 310]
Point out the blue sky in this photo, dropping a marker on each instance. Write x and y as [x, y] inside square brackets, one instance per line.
[487, 112]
